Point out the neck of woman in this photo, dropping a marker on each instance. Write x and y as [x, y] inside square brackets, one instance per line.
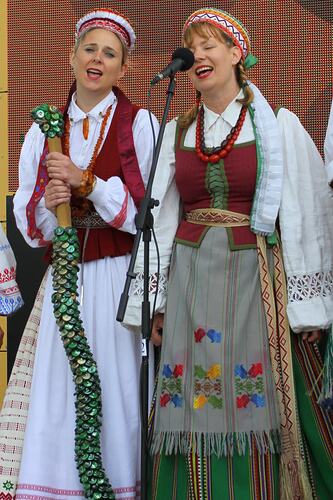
[88, 100]
[219, 100]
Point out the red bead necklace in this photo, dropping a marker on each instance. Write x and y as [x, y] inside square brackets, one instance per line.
[224, 149]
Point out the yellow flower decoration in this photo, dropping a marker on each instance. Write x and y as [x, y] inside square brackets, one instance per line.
[214, 371]
[199, 402]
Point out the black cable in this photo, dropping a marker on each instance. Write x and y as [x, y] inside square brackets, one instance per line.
[149, 96]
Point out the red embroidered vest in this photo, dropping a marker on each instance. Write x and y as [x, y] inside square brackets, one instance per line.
[116, 158]
[107, 241]
[229, 184]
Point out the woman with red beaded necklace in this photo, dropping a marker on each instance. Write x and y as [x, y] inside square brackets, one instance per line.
[107, 154]
[226, 422]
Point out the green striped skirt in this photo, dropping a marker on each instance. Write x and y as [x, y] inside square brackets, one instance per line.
[255, 475]
[217, 420]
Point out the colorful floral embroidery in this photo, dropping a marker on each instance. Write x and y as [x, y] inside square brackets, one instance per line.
[8, 485]
[214, 371]
[207, 387]
[213, 335]
[249, 386]
[9, 305]
[171, 390]
[199, 402]
[7, 275]
[199, 334]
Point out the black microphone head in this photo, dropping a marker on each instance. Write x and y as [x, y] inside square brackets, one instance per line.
[186, 56]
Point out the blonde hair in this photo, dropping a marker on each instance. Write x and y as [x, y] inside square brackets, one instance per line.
[79, 40]
[205, 30]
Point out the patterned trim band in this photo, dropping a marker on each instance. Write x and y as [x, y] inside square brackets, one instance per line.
[224, 21]
[91, 220]
[217, 217]
[110, 20]
[107, 25]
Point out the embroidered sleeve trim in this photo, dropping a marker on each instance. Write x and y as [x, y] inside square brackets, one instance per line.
[308, 286]
[137, 284]
[9, 305]
[8, 274]
[119, 219]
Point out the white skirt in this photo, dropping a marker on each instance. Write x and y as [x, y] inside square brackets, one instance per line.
[48, 469]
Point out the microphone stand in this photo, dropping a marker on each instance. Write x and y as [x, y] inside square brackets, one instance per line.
[144, 223]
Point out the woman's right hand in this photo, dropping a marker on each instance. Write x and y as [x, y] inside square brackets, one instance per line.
[56, 192]
[61, 167]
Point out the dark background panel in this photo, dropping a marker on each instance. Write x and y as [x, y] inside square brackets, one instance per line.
[31, 267]
[293, 40]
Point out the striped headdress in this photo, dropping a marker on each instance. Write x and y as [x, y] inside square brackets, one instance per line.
[110, 20]
[227, 23]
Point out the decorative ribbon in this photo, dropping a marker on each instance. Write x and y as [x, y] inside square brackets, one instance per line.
[294, 482]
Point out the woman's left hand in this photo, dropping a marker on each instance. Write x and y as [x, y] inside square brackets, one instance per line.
[312, 336]
[61, 167]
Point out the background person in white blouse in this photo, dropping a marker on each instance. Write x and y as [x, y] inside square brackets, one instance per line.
[227, 420]
[107, 154]
[10, 295]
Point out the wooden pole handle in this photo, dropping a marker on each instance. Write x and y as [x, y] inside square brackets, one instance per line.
[63, 210]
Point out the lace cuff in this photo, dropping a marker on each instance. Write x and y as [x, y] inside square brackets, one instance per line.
[132, 318]
[137, 284]
[308, 286]
[310, 301]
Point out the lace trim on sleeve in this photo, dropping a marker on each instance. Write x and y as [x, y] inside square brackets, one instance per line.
[137, 284]
[308, 286]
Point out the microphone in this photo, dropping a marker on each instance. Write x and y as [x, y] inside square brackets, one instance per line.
[182, 60]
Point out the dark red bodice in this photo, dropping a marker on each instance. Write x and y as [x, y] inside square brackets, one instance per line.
[103, 242]
[229, 184]
[116, 158]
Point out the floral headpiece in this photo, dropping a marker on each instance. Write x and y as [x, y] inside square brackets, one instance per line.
[230, 25]
[110, 20]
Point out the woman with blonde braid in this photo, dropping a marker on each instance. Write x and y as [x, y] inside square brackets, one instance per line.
[226, 416]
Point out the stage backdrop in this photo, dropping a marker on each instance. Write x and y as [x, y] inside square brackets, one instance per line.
[292, 39]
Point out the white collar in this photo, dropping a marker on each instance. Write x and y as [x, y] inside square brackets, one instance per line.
[229, 115]
[76, 114]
